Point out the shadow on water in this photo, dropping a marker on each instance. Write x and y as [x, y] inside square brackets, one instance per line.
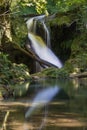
[66, 109]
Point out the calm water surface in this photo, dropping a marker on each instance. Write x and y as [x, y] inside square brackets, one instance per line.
[66, 111]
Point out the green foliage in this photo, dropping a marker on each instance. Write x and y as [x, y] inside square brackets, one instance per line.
[55, 6]
[21, 7]
[45, 6]
[69, 66]
[62, 19]
[62, 73]
[81, 61]
[75, 47]
[78, 59]
[66, 5]
[20, 90]
[51, 6]
[83, 17]
[40, 6]
[11, 72]
[53, 73]
[19, 31]
[29, 6]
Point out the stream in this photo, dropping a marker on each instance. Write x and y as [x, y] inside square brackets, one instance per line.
[62, 106]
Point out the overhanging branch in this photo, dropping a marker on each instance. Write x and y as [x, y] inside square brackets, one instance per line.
[31, 54]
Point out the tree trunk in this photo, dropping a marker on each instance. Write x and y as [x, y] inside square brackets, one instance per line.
[80, 75]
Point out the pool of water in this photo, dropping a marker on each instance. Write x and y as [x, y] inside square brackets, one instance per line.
[66, 110]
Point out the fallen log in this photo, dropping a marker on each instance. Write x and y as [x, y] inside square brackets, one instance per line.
[79, 75]
[32, 54]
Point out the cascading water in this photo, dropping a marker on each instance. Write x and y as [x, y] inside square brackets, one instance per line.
[32, 23]
[41, 49]
[32, 27]
[47, 35]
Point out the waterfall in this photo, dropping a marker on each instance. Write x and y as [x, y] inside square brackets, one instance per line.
[47, 35]
[32, 23]
[41, 48]
[43, 51]
[32, 27]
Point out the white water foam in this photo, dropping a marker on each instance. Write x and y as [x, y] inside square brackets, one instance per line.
[43, 51]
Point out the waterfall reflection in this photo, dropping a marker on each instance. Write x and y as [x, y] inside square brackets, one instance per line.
[59, 114]
[42, 98]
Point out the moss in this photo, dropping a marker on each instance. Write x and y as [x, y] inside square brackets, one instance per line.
[12, 72]
[61, 20]
[53, 73]
[69, 66]
[78, 58]
[19, 31]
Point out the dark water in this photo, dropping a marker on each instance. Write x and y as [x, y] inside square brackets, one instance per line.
[66, 111]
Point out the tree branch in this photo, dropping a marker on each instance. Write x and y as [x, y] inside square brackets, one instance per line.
[80, 75]
[5, 121]
[38, 59]
[31, 54]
